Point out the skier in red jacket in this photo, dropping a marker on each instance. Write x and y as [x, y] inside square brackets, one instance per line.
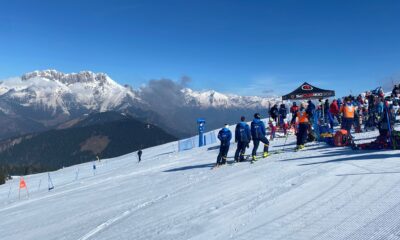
[334, 110]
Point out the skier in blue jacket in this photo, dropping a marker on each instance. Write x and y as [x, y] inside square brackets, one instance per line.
[258, 135]
[242, 137]
[225, 136]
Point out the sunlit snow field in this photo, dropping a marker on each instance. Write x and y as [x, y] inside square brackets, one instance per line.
[319, 193]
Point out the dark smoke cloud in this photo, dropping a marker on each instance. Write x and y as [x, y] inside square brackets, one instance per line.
[164, 95]
[185, 80]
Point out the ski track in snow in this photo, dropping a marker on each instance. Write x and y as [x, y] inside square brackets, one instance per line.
[319, 193]
[119, 217]
[128, 212]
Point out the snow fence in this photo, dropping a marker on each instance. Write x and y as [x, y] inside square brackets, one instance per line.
[193, 142]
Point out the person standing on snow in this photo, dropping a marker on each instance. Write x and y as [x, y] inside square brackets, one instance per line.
[294, 109]
[320, 109]
[334, 110]
[274, 112]
[258, 135]
[385, 122]
[348, 110]
[283, 114]
[395, 108]
[139, 154]
[225, 136]
[272, 127]
[243, 138]
[304, 124]
[326, 110]
[380, 107]
[310, 110]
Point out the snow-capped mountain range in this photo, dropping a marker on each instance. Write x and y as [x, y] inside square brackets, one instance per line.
[206, 99]
[55, 90]
[59, 91]
[46, 98]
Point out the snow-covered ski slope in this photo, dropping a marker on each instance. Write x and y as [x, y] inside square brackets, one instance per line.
[319, 193]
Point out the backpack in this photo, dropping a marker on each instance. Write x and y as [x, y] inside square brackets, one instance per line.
[243, 133]
[257, 131]
[342, 138]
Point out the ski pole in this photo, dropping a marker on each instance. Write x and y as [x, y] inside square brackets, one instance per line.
[284, 144]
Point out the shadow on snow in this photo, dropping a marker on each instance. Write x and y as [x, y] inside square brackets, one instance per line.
[207, 165]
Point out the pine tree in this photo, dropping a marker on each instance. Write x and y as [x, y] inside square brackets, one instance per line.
[2, 176]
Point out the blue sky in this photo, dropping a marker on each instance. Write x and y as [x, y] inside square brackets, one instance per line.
[244, 47]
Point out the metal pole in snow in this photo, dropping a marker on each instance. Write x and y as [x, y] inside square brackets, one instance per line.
[94, 168]
[50, 184]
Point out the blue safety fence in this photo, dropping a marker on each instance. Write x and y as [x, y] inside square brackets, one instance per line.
[210, 138]
[186, 144]
[193, 142]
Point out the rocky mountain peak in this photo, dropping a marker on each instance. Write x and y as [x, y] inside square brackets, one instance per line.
[70, 78]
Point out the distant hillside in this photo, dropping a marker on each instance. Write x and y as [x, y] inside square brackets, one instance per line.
[108, 134]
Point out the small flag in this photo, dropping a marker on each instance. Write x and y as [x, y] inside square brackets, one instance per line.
[22, 183]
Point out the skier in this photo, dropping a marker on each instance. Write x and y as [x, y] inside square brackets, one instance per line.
[380, 107]
[258, 135]
[320, 109]
[225, 136]
[326, 111]
[273, 112]
[285, 127]
[396, 91]
[282, 114]
[347, 109]
[395, 108]
[310, 110]
[334, 110]
[304, 123]
[294, 109]
[243, 138]
[273, 127]
[385, 124]
[139, 153]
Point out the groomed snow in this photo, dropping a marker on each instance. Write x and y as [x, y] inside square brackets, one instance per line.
[319, 193]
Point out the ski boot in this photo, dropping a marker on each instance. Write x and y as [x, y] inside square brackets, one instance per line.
[254, 159]
[299, 147]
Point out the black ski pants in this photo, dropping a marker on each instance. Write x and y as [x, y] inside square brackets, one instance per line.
[256, 143]
[302, 133]
[347, 123]
[241, 149]
[223, 152]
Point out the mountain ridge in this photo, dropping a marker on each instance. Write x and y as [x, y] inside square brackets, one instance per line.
[43, 100]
